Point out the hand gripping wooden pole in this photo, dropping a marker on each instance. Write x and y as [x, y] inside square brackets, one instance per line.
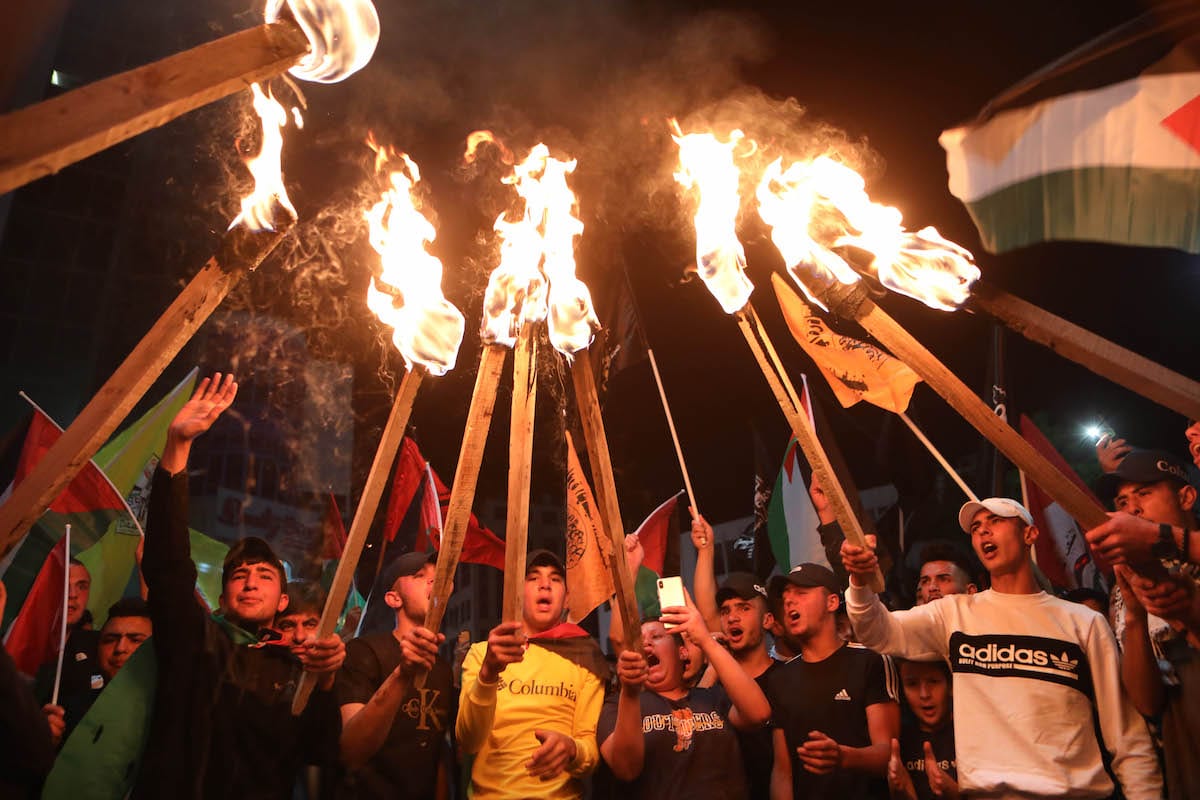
[43, 138]
[520, 466]
[606, 494]
[240, 252]
[806, 436]
[368, 504]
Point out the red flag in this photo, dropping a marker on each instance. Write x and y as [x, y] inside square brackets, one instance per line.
[431, 510]
[652, 533]
[89, 491]
[33, 637]
[481, 546]
[1063, 553]
[333, 531]
[410, 471]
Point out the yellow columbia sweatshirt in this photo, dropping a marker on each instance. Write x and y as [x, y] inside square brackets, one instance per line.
[496, 722]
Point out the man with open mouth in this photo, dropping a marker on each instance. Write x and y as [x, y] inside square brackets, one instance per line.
[1029, 671]
[531, 695]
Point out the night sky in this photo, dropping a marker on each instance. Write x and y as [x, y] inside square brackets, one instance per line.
[598, 80]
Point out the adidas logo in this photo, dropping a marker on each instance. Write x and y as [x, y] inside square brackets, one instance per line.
[842, 695]
[1064, 662]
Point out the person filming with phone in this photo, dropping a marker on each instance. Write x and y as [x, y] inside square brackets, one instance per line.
[661, 738]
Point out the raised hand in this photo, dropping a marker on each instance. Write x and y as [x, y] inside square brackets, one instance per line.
[702, 534]
[419, 650]
[322, 657]
[860, 562]
[505, 645]
[632, 669]
[635, 554]
[212, 397]
[1124, 539]
[941, 784]
[899, 781]
[1110, 452]
[820, 500]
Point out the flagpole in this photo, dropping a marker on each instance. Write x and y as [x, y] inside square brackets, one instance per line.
[937, 455]
[662, 394]
[62, 636]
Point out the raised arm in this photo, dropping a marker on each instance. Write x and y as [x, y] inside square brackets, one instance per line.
[919, 633]
[365, 726]
[624, 750]
[750, 708]
[635, 554]
[704, 580]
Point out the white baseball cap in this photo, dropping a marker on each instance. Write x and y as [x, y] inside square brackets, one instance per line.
[1000, 506]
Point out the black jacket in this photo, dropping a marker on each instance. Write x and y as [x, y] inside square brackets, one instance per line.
[222, 726]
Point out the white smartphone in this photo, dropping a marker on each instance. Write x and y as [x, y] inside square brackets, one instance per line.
[670, 593]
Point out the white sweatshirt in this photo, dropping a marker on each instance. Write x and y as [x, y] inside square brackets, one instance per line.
[1026, 667]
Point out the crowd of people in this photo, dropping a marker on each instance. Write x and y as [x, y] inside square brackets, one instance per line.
[806, 685]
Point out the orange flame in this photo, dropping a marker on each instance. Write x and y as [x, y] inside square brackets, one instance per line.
[407, 294]
[706, 164]
[258, 207]
[535, 278]
[342, 36]
[816, 206]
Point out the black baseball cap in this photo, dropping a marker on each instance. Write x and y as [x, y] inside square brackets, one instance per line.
[806, 574]
[741, 585]
[251, 550]
[1142, 466]
[405, 566]
[545, 558]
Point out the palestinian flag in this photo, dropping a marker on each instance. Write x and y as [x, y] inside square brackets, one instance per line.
[1119, 164]
[792, 521]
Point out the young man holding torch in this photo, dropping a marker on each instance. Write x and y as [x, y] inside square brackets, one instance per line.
[393, 732]
[222, 725]
[1030, 670]
[531, 695]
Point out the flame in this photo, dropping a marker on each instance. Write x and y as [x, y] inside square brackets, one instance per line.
[707, 165]
[816, 206]
[535, 278]
[342, 35]
[407, 294]
[258, 207]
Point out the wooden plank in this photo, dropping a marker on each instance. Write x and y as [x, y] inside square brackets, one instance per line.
[43, 138]
[241, 251]
[520, 468]
[1103, 357]
[606, 494]
[364, 515]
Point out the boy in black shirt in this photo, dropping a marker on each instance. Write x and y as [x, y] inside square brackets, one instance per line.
[833, 708]
[394, 734]
[923, 766]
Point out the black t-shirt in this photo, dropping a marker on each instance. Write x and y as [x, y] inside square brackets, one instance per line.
[758, 749]
[912, 752]
[81, 673]
[832, 697]
[406, 765]
[691, 749]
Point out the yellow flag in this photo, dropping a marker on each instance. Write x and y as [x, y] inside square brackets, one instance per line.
[588, 550]
[855, 370]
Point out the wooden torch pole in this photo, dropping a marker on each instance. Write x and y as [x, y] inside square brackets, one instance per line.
[520, 465]
[806, 437]
[1103, 357]
[42, 139]
[606, 494]
[368, 503]
[462, 494]
[241, 251]
[852, 302]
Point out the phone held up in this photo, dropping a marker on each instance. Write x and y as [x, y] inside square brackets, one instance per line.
[670, 593]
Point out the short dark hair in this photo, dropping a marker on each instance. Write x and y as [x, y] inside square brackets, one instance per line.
[944, 551]
[304, 597]
[129, 607]
[75, 562]
[1085, 593]
[940, 664]
[251, 550]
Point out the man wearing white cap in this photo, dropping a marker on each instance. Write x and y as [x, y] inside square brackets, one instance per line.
[1028, 668]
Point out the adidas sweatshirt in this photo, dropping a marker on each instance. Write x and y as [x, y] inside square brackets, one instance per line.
[497, 721]
[1027, 670]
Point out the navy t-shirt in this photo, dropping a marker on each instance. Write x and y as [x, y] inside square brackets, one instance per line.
[691, 748]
